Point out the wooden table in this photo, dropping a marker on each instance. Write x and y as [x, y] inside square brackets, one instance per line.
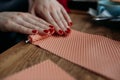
[23, 55]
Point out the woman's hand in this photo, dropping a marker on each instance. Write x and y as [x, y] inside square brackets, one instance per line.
[53, 12]
[24, 23]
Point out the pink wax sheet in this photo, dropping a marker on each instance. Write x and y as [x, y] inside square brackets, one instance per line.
[43, 71]
[96, 53]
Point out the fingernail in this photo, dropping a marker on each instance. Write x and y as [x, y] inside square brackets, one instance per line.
[70, 24]
[51, 26]
[60, 32]
[51, 31]
[34, 31]
[46, 31]
[68, 30]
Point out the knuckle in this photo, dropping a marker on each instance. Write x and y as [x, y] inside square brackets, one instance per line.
[22, 14]
[57, 20]
[21, 30]
[40, 20]
[7, 22]
[62, 7]
[51, 7]
[42, 9]
[45, 9]
[7, 25]
[51, 20]
[37, 28]
[14, 17]
[55, 8]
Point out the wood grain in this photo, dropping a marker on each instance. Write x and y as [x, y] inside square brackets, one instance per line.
[22, 56]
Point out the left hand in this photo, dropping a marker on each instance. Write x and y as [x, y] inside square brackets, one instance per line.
[53, 12]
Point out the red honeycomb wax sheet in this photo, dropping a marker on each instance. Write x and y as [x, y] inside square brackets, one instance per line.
[96, 53]
[46, 70]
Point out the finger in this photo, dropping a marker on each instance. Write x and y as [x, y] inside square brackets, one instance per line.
[39, 22]
[35, 23]
[58, 20]
[42, 21]
[32, 26]
[67, 31]
[67, 17]
[50, 19]
[19, 28]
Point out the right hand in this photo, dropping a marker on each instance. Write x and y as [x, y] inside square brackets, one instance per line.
[53, 12]
[24, 23]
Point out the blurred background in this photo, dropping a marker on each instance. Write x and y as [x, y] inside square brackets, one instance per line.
[82, 4]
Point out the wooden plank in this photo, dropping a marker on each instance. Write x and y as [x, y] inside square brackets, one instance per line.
[23, 55]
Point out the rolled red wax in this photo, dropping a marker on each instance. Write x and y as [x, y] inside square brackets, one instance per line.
[36, 37]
